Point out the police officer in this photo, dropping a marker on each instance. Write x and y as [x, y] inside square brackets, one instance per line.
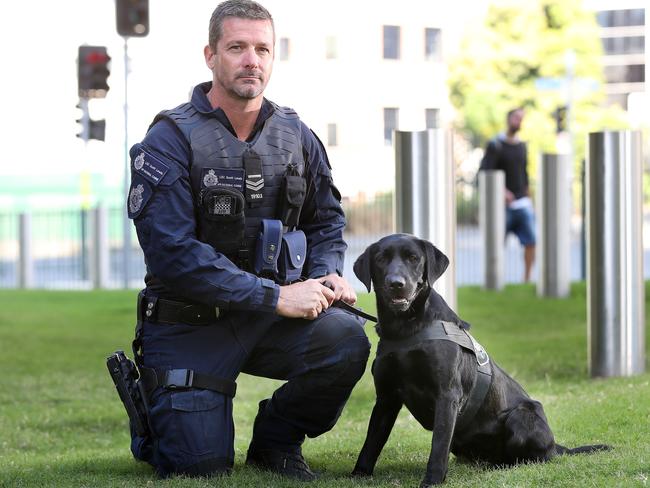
[206, 179]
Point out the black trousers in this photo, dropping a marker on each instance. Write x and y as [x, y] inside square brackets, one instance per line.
[193, 430]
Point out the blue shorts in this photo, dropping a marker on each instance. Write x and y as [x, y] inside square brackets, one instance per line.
[521, 222]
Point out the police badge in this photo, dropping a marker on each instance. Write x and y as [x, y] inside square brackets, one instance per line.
[210, 179]
[135, 198]
[138, 162]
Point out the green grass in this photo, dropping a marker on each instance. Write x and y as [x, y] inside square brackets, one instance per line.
[61, 423]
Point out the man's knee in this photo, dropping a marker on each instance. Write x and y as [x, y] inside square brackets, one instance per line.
[194, 433]
[342, 335]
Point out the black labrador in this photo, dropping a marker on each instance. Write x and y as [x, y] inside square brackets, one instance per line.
[451, 386]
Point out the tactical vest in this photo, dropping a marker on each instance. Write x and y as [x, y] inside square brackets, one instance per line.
[217, 158]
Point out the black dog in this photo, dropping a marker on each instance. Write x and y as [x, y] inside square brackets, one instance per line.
[427, 361]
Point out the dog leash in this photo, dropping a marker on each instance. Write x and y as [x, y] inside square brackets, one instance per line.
[349, 308]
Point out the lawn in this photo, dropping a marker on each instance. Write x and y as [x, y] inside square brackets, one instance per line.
[61, 423]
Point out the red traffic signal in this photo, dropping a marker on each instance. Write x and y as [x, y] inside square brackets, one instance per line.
[93, 71]
[132, 17]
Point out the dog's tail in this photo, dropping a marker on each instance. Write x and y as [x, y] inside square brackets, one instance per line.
[582, 449]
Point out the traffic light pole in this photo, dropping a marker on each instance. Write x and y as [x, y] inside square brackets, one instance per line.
[127, 169]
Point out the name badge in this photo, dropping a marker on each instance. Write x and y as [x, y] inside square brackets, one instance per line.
[223, 177]
[149, 166]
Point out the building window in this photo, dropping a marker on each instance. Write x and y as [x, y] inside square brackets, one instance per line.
[621, 18]
[432, 47]
[624, 45]
[284, 49]
[331, 135]
[625, 73]
[390, 124]
[330, 47]
[432, 118]
[391, 42]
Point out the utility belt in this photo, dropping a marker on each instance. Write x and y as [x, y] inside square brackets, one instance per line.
[161, 310]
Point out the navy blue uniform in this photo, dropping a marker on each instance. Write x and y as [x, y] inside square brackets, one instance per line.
[322, 359]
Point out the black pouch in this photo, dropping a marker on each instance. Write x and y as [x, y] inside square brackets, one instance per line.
[222, 223]
[292, 256]
[292, 197]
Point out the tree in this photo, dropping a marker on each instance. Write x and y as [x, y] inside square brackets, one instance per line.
[518, 43]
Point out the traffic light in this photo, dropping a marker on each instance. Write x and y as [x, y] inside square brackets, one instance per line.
[561, 113]
[132, 17]
[93, 71]
[90, 129]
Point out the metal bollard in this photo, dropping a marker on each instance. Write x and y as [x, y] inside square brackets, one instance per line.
[425, 196]
[615, 287]
[25, 257]
[492, 221]
[100, 248]
[554, 213]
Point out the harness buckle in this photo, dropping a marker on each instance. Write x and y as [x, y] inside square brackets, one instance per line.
[178, 379]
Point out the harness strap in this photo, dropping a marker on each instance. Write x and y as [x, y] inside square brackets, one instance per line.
[449, 331]
[182, 379]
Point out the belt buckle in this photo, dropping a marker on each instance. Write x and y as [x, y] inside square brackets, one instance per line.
[179, 379]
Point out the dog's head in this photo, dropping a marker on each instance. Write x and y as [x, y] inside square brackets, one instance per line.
[400, 266]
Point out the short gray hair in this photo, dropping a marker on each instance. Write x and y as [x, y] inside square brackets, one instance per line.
[242, 9]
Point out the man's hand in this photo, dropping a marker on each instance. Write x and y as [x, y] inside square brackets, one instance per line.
[510, 197]
[341, 287]
[304, 300]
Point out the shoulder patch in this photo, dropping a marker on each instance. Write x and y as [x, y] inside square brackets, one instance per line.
[139, 194]
[149, 166]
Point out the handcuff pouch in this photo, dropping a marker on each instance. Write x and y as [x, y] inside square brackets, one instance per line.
[292, 256]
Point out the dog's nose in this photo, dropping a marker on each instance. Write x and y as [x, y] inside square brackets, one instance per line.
[396, 282]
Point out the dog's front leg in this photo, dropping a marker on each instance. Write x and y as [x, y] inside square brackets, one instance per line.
[446, 410]
[381, 423]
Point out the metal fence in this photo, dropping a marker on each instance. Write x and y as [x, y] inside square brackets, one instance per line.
[62, 244]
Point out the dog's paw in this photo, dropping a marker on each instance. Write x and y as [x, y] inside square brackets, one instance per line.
[429, 483]
[360, 473]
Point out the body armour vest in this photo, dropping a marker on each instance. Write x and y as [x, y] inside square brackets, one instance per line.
[220, 162]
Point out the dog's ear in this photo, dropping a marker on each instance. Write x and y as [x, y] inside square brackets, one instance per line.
[437, 262]
[362, 267]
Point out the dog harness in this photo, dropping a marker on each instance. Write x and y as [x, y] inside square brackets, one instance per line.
[449, 331]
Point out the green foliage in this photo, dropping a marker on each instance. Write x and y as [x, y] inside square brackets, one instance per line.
[519, 42]
[62, 425]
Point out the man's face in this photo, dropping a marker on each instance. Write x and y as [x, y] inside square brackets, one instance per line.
[514, 122]
[243, 60]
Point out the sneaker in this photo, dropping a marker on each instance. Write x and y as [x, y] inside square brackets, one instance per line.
[289, 464]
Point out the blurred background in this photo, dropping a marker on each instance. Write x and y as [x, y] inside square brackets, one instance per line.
[354, 71]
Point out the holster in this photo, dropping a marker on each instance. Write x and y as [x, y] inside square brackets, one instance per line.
[125, 375]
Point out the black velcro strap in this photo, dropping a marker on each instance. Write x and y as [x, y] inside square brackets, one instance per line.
[165, 311]
[183, 379]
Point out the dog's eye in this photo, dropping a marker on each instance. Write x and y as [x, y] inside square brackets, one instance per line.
[413, 258]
